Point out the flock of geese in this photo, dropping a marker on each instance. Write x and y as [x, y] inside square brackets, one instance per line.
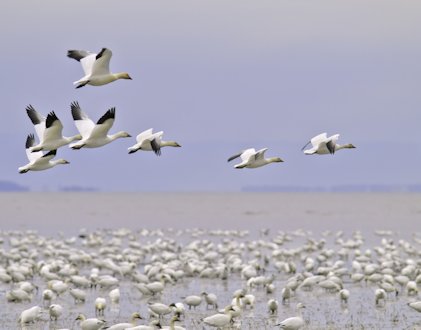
[209, 279]
[94, 135]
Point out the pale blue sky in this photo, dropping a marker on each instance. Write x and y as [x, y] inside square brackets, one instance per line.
[218, 77]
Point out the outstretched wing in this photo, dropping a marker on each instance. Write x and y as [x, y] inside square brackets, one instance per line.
[85, 58]
[260, 154]
[53, 127]
[83, 123]
[101, 65]
[318, 139]
[144, 135]
[245, 156]
[104, 124]
[30, 142]
[37, 120]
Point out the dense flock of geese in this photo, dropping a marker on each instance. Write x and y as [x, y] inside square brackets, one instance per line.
[142, 279]
[94, 135]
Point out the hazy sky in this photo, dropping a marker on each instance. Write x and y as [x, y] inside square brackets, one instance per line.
[218, 77]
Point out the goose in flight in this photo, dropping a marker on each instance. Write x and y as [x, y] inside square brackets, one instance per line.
[49, 130]
[94, 135]
[149, 141]
[252, 158]
[96, 67]
[37, 160]
[323, 145]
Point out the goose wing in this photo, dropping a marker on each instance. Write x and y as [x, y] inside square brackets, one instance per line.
[144, 135]
[245, 156]
[53, 127]
[156, 142]
[235, 156]
[101, 65]
[37, 120]
[85, 58]
[47, 157]
[30, 142]
[331, 143]
[104, 124]
[260, 154]
[83, 123]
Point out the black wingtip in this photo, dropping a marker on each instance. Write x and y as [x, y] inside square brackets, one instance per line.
[30, 141]
[50, 153]
[51, 118]
[110, 114]
[33, 115]
[99, 55]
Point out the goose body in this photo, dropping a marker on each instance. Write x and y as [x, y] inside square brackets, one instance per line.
[123, 326]
[38, 161]
[49, 131]
[94, 135]
[96, 67]
[150, 141]
[91, 323]
[250, 158]
[324, 145]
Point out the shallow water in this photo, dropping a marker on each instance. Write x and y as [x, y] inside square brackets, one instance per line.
[319, 216]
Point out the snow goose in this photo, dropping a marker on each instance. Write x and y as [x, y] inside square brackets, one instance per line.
[49, 130]
[293, 323]
[323, 145]
[94, 136]
[172, 325]
[152, 326]
[91, 323]
[37, 160]
[220, 320]
[149, 141]
[416, 305]
[253, 159]
[160, 309]
[30, 315]
[55, 311]
[193, 301]
[122, 326]
[100, 305]
[96, 67]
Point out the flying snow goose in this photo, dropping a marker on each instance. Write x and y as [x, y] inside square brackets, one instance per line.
[323, 145]
[253, 159]
[96, 67]
[49, 130]
[94, 135]
[149, 141]
[37, 160]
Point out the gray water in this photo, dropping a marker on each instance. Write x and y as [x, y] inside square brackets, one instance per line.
[60, 216]
[50, 213]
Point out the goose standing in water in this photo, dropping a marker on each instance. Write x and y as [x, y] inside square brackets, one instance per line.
[49, 130]
[295, 322]
[149, 141]
[94, 135]
[38, 161]
[96, 67]
[253, 159]
[91, 323]
[323, 145]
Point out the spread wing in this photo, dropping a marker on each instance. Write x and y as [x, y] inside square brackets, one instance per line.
[101, 65]
[104, 124]
[82, 121]
[260, 154]
[30, 142]
[245, 156]
[85, 58]
[144, 135]
[37, 120]
[53, 127]
[318, 139]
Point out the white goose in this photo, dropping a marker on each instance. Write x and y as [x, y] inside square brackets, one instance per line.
[96, 67]
[323, 145]
[37, 160]
[91, 323]
[253, 159]
[94, 135]
[49, 130]
[149, 141]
